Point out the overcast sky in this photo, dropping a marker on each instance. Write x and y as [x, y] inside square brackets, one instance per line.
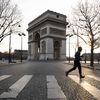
[30, 10]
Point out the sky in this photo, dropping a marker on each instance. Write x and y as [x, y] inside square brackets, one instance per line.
[30, 10]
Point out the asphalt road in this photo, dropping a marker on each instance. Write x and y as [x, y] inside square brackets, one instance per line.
[46, 80]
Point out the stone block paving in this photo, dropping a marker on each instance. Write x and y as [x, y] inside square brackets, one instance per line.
[96, 66]
[86, 65]
[73, 91]
[36, 89]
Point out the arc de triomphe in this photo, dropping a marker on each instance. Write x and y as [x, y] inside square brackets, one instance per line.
[47, 37]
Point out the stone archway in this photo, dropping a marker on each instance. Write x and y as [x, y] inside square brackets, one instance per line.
[56, 50]
[37, 46]
[47, 37]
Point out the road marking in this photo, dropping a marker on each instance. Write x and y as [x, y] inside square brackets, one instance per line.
[53, 89]
[94, 77]
[91, 89]
[4, 77]
[16, 87]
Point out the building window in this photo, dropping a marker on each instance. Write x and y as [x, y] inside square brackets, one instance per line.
[57, 16]
[57, 44]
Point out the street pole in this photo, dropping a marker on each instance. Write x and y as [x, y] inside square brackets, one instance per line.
[77, 39]
[85, 56]
[70, 35]
[69, 49]
[10, 47]
[21, 48]
[22, 34]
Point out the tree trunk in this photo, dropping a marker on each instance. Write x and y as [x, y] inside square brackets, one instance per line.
[92, 53]
[92, 58]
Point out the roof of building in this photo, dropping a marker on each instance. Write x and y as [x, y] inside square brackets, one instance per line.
[48, 11]
[48, 15]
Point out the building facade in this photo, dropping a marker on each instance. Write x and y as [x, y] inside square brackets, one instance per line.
[18, 53]
[47, 37]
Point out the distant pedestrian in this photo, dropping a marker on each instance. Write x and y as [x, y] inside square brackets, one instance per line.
[77, 63]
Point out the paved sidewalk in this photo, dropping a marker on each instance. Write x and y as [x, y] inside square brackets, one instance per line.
[96, 66]
[4, 63]
[86, 65]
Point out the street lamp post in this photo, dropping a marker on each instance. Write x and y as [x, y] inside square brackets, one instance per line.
[70, 35]
[77, 39]
[10, 47]
[21, 34]
[9, 57]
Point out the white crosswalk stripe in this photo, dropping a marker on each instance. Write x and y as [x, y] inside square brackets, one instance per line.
[91, 89]
[53, 89]
[94, 77]
[4, 77]
[16, 88]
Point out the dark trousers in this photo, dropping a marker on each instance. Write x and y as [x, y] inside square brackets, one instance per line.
[76, 64]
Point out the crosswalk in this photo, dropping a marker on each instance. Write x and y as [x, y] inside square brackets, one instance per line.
[54, 90]
[16, 87]
[4, 77]
[91, 89]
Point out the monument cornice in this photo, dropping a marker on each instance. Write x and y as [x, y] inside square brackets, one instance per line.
[45, 14]
[47, 19]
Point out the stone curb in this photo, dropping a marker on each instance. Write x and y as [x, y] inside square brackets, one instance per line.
[86, 66]
[5, 64]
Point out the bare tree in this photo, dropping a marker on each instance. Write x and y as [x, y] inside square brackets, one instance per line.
[10, 17]
[87, 19]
